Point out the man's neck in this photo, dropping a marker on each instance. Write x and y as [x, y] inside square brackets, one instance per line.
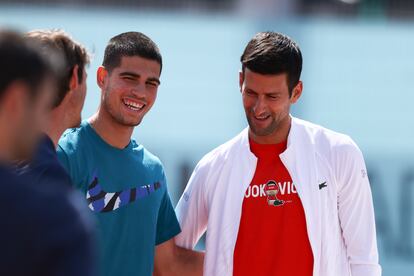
[56, 126]
[279, 136]
[113, 133]
[4, 150]
[6, 154]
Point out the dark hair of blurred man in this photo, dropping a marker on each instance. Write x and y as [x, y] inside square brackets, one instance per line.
[76, 253]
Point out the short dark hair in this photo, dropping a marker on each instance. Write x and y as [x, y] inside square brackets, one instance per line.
[130, 44]
[72, 52]
[271, 53]
[22, 60]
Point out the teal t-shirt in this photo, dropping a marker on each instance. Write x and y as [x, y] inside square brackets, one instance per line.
[126, 189]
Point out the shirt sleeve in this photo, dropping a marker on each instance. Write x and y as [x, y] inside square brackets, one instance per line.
[356, 212]
[191, 208]
[167, 223]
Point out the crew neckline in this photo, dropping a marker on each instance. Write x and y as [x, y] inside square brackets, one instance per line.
[101, 141]
[267, 150]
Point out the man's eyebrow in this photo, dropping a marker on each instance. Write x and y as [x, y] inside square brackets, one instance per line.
[157, 80]
[135, 75]
[129, 74]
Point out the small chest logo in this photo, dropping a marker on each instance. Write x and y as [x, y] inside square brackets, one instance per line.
[271, 190]
[323, 185]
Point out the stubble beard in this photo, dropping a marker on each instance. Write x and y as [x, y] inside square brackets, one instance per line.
[276, 123]
[271, 128]
[117, 116]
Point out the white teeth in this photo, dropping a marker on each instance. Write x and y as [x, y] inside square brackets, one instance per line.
[133, 105]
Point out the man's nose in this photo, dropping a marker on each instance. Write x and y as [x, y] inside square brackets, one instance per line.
[260, 106]
[139, 90]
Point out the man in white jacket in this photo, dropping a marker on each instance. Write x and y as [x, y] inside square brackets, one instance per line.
[284, 197]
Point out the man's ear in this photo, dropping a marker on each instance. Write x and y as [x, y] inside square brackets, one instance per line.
[74, 79]
[297, 92]
[241, 79]
[101, 74]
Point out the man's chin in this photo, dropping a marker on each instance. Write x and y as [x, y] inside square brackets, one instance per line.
[130, 123]
[260, 131]
[133, 124]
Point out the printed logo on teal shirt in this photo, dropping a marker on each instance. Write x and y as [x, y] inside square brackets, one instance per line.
[101, 201]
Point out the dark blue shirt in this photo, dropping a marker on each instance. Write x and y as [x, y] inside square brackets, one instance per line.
[45, 167]
[56, 226]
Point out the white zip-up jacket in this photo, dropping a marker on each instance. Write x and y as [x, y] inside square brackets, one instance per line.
[339, 218]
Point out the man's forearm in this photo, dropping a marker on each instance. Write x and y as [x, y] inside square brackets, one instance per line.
[189, 262]
[172, 260]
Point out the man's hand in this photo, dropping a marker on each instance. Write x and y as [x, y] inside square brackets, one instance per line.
[171, 259]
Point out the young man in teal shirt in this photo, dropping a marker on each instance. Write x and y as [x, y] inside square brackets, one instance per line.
[124, 184]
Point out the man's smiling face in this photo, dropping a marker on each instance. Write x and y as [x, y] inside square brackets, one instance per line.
[130, 89]
[266, 101]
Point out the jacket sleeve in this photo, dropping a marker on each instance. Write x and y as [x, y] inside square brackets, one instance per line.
[356, 211]
[191, 209]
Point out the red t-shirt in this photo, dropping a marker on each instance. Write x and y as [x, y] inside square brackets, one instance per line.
[273, 238]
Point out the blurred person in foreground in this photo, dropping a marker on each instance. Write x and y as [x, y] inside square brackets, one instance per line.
[45, 170]
[32, 224]
[124, 184]
[285, 196]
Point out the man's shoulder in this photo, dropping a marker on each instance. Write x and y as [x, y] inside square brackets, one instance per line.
[51, 172]
[149, 159]
[73, 136]
[15, 190]
[39, 219]
[327, 140]
[10, 182]
[46, 162]
[224, 151]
